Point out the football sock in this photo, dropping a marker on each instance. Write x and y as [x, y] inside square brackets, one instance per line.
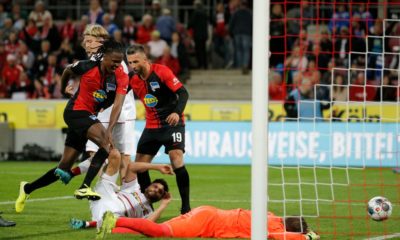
[144, 180]
[95, 165]
[144, 226]
[122, 230]
[182, 180]
[45, 180]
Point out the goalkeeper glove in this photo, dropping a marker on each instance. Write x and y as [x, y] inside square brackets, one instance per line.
[311, 235]
[77, 223]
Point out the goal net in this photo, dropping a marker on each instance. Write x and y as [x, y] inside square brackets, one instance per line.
[339, 146]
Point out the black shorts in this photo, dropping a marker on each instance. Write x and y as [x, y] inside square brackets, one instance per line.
[78, 123]
[152, 139]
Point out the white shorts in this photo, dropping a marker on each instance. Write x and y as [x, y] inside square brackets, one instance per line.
[118, 138]
[129, 135]
[109, 201]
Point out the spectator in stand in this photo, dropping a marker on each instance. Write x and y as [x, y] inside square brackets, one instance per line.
[118, 37]
[178, 50]
[3, 55]
[170, 61]
[10, 74]
[46, 78]
[240, 28]
[65, 54]
[276, 88]
[18, 16]
[129, 30]
[389, 89]
[95, 12]
[81, 26]
[41, 59]
[24, 89]
[155, 9]
[295, 64]
[50, 33]
[3, 15]
[324, 49]
[301, 103]
[340, 89]
[108, 24]
[340, 19]
[115, 13]
[26, 57]
[221, 39]
[344, 44]
[358, 91]
[157, 45]
[299, 18]
[166, 25]
[39, 14]
[277, 33]
[199, 25]
[145, 29]
[12, 43]
[7, 28]
[312, 71]
[68, 30]
[367, 21]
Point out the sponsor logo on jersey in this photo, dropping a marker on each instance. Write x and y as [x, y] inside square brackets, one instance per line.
[154, 86]
[175, 81]
[99, 95]
[150, 100]
[111, 87]
[93, 117]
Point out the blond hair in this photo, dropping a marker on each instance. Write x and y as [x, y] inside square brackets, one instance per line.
[97, 31]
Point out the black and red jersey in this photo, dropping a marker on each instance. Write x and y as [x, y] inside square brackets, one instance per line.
[157, 93]
[96, 90]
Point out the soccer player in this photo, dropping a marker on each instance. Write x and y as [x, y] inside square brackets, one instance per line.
[128, 201]
[124, 131]
[102, 83]
[6, 223]
[164, 99]
[208, 222]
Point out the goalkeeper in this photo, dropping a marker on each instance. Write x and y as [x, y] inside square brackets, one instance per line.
[208, 222]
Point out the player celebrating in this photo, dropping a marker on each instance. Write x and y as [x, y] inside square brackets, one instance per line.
[102, 84]
[164, 99]
[129, 201]
[209, 222]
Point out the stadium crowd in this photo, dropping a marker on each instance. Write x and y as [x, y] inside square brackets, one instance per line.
[333, 51]
[310, 42]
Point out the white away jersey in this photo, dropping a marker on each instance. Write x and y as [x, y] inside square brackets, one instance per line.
[136, 204]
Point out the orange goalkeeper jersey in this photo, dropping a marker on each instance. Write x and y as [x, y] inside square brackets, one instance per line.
[211, 222]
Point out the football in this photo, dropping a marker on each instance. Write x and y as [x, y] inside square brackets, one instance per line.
[379, 208]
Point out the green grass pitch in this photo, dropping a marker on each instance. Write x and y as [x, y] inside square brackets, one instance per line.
[47, 215]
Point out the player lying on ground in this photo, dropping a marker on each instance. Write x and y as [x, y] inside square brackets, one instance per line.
[208, 222]
[129, 201]
[100, 86]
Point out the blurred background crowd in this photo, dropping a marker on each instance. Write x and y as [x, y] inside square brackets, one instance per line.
[327, 50]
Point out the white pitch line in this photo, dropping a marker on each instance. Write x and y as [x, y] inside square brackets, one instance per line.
[385, 237]
[38, 200]
[193, 200]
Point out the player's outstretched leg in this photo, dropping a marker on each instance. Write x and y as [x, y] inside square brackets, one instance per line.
[108, 224]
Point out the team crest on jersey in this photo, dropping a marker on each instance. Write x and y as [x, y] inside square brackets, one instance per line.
[100, 95]
[175, 81]
[150, 100]
[111, 87]
[154, 86]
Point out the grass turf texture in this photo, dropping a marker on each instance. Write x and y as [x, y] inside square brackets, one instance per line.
[221, 186]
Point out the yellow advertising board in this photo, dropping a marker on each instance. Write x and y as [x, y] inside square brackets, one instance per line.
[49, 114]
